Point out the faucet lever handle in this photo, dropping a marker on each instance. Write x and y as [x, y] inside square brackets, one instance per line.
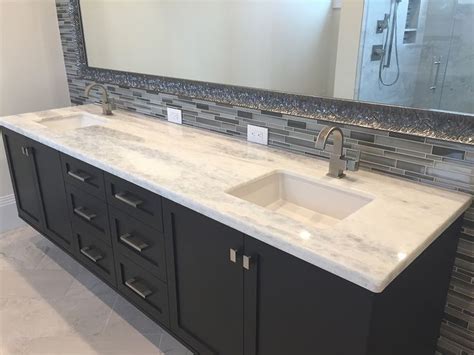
[352, 164]
[113, 105]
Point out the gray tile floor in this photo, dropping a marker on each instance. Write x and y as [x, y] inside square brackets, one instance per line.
[49, 304]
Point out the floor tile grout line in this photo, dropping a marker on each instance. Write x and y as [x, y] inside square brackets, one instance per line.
[112, 309]
[113, 303]
[73, 278]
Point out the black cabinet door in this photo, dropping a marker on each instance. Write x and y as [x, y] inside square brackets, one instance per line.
[293, 307]
[47, 168]
[23, 178]
[205, 286]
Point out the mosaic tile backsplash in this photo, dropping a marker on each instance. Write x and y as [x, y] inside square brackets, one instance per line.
[423, 160]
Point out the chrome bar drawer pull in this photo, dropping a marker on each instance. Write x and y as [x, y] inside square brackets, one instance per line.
[138, 287]
[128, 199]
[246, 262]
[133, 242]
[79, 175]
[92, 254]
[82, 212]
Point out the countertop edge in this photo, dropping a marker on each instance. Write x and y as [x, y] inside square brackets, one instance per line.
[456, 214]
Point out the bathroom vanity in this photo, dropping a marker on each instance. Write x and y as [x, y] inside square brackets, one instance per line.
[235, 248]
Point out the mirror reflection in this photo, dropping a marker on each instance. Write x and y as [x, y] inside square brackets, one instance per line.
[415, 53]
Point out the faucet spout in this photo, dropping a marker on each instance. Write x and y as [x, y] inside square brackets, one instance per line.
[107, 104]
[323, 138]
[337, 161]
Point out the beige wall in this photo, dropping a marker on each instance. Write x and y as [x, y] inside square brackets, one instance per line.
[285, 45]
[32, 74]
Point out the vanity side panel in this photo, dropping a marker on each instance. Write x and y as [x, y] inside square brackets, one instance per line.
[406, 317]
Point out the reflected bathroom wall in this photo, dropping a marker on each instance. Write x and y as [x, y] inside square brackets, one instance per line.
[418, 53]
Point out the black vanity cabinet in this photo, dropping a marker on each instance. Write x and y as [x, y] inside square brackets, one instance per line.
[232, 294]
[205, 287]
[294, 307]
[47, 169]
[216, 289]
[22, 178]
[38, 185]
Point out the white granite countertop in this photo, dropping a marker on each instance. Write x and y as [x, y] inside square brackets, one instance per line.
[194, 168]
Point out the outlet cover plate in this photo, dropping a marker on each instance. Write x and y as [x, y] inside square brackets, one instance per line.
[257, 134]
[174, 115]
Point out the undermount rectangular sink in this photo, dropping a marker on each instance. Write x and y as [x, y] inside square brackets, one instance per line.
[307, 201]
[74, 121]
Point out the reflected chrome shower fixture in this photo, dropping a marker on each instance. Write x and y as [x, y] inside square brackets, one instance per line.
[382, 24]
[383, 52]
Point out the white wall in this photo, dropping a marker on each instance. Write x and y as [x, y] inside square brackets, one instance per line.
[285, 45]
[350, 25]
[32, 74]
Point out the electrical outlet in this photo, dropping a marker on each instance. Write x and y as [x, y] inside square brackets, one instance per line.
[257, 134]
[174, 115]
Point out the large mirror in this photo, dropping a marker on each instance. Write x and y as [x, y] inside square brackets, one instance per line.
[413, 53]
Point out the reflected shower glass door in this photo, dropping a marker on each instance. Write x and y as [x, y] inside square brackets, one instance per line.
[418, 53]
[458, 81]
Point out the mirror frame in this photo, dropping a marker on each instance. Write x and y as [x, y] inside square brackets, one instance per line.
[450, 126]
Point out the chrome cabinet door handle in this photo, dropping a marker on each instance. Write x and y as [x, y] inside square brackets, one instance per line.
[138, 287]
[247, 260]
[233, 254]
[129, 200]
[133, 242]
[92, 254]
[79, 175]
[82, 212]
[25, 151]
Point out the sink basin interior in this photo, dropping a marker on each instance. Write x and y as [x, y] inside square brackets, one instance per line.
[74, 121]
[302, 199]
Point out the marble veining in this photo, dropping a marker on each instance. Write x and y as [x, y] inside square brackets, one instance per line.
[195, 168]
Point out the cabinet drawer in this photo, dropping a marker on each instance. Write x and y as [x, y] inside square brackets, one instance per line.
[136, 201]
[84, 176]
[137, 241]
[88, 214]
[142, 289]
[95, 255]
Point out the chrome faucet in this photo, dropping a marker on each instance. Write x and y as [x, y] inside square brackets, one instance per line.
[337, 161]
[107, 104]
